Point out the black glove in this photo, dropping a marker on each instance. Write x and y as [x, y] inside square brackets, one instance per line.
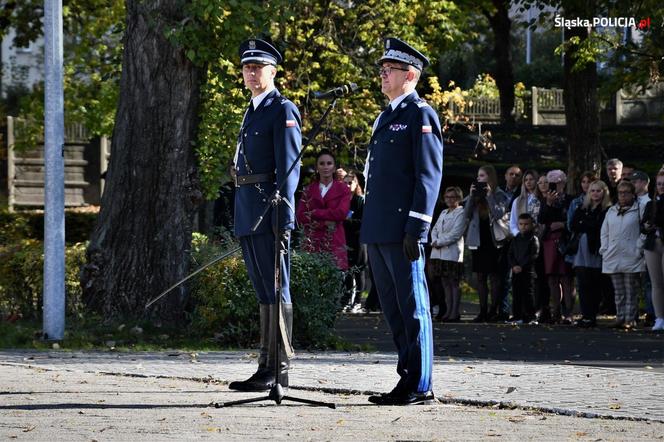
[411, 248]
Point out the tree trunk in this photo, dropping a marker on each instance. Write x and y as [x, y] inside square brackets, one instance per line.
[581, 108]
[140, 245]
[501, 24]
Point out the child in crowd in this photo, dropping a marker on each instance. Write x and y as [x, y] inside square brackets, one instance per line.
[522, 254]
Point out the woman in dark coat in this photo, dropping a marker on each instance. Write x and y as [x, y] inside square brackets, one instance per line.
[586, 226]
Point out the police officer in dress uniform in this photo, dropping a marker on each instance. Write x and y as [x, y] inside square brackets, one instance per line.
[403, 172]
[269, 142]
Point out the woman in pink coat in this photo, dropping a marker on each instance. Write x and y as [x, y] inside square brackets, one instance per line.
[322, 210]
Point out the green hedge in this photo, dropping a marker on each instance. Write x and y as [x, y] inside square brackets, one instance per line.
[21, 278]
[223, 303]
[16, 226]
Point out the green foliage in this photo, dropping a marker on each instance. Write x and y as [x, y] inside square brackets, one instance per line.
[324, 43]
[92, 63]
[225, 303]
[15, 226]
[21, 279]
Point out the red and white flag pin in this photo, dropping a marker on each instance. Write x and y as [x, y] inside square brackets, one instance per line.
[426, 129]
[291, 123]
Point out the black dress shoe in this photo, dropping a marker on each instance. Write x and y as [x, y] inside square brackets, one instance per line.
[415, 398]
[412, 398]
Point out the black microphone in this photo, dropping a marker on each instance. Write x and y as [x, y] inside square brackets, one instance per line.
[337, 92]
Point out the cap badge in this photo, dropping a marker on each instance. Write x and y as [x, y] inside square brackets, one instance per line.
[387, 44]
[252, 44]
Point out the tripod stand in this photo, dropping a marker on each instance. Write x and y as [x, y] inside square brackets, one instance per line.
[277, 393]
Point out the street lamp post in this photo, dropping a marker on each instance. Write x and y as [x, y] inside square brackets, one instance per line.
[54, 188]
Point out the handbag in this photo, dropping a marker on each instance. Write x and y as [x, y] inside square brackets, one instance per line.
[569, 245]
[500, 231]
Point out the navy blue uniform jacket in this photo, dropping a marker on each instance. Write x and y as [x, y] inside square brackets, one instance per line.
[271, 137]
[405, 167]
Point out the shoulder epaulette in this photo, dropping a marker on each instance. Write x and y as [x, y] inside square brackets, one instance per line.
[421, 102]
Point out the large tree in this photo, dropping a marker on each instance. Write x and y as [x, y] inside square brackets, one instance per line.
[152, 191]
[580, 97]
[497, 12]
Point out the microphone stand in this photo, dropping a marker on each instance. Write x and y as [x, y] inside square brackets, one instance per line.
[277, 393]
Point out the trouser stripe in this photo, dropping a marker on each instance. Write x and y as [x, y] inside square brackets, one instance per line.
[420, 294]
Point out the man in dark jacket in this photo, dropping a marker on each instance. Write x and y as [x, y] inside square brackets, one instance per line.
[521, 257]
[403, 171]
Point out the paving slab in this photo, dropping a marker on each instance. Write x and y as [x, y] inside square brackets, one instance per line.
[564, 389]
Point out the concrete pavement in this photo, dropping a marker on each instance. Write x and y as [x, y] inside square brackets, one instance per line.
[557, 388]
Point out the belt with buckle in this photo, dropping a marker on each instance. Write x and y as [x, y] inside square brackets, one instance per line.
[243, 180]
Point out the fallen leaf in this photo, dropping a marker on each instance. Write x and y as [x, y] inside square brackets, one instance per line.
[29, 428]
[516, 419]
[581, 434]
[614, 406]
[213, 430]
[396, 419]
[341, 422]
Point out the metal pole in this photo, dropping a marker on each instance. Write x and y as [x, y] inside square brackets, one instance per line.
[54, 189]
[528, 36]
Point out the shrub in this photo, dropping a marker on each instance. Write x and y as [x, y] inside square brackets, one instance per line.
[21, 278]
[226, 303]
[223, 301]
[15, 226]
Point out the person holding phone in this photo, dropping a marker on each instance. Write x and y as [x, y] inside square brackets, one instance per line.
[553, 215]
[486, 204]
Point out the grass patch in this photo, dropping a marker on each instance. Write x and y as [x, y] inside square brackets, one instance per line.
[91, 334]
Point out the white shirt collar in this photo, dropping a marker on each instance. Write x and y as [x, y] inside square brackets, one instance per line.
[394, 103]
[324, 188]
[259, 99]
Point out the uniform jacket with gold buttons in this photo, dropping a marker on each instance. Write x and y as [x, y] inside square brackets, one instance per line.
[270, 140]
[404, 171]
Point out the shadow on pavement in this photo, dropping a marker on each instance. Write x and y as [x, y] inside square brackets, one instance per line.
[600, 347]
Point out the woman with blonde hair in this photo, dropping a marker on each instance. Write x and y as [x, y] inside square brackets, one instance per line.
[527, 201]
[586, 224]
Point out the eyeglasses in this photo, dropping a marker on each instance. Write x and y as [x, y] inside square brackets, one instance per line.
[386, 71]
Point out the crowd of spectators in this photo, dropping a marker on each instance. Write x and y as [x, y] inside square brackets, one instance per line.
[533, 247]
